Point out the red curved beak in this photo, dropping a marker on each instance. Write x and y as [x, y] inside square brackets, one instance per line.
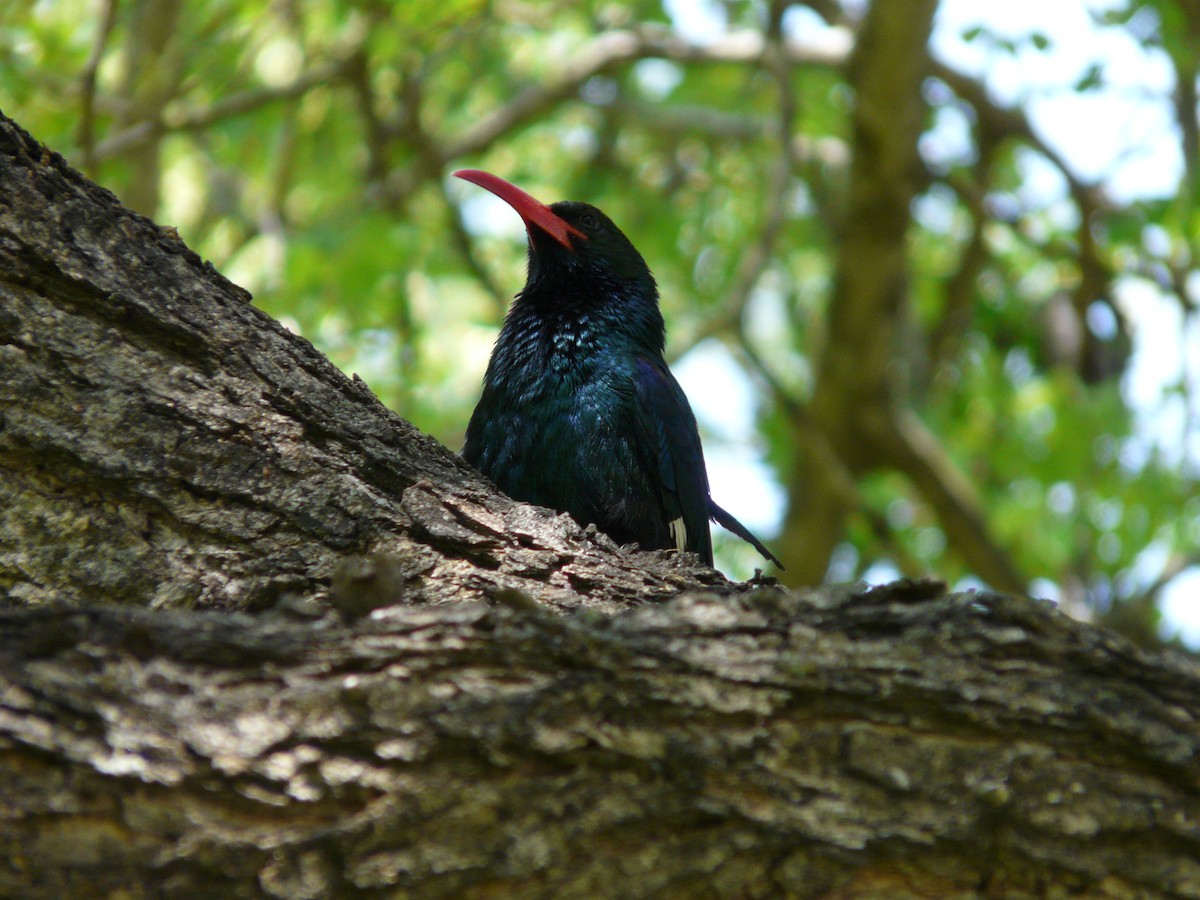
[532, 211]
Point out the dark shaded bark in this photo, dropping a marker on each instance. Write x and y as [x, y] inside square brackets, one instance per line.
[513, 718]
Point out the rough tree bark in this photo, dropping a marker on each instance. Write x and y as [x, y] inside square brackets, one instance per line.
[198, 512]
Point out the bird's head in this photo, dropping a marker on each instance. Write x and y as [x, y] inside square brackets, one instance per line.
[572, 242]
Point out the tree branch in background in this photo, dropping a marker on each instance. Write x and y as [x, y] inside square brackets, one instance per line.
[856, 377]
[1181, 45]
[466, 247]
[151, 76]
[86, 134]
[727, 318]
[909, 446]
[959, 294]
[614, 48]
[358, 76]
[1097, 361]
[1010, 121]
[148, 130]
[814, 444]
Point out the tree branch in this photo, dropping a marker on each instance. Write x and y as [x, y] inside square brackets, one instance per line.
[615, 48]
[894, 742]
[1097, 361]
[87, 115]
[757, 256]
[198, 118]
[916, 452]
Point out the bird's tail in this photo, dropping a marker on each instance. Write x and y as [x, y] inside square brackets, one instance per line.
[725, 520]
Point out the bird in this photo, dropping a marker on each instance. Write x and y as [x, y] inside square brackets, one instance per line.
[579, 412]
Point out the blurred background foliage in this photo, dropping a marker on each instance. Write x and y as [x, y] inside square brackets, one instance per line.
[305, 149]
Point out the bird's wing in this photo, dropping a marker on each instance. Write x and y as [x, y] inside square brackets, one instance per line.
[667, 426]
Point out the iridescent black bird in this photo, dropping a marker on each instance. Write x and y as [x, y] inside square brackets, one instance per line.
[579, 411]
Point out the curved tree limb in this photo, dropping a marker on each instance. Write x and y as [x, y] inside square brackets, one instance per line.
[148, 130]
[618, 47]
[913, 449]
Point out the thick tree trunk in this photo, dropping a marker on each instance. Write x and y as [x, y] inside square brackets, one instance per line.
[886, 744]
[514, 718]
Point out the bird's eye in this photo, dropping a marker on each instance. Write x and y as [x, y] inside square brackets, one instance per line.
[589, 220]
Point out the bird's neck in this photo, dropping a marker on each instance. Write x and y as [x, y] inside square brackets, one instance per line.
[607, 318]
[575, 341]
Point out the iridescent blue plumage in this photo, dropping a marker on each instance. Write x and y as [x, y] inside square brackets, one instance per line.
[579, 411]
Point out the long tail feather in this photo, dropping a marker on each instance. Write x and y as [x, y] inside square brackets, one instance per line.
[725, 520]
